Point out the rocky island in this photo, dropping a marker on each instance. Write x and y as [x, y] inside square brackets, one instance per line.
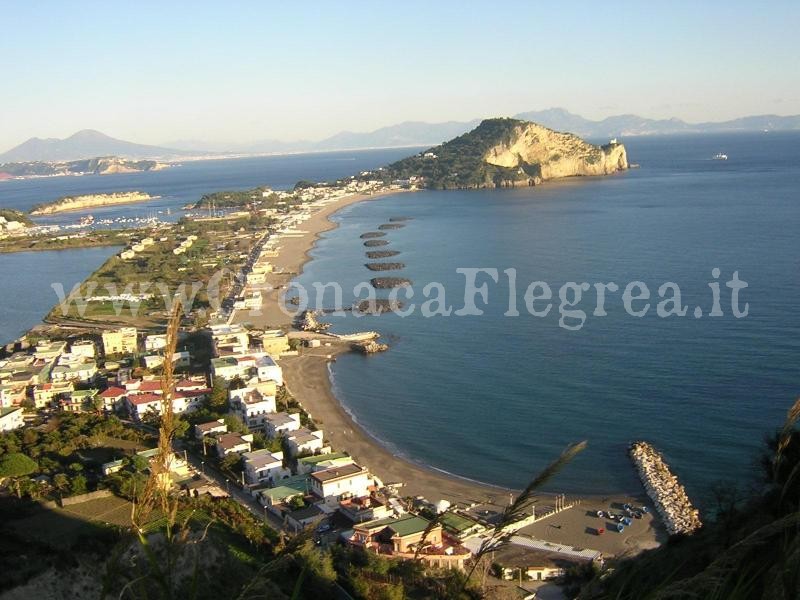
[67, 203]
[508, 153]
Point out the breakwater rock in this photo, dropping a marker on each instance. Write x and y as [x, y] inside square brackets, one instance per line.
[372, 234]
[375, 243]
[373, 254]
[400, 219]
[383, 283]
[386, 226]
[370, 347]
[387, 266]
[664, 489]
[309, 322]
[378, 306]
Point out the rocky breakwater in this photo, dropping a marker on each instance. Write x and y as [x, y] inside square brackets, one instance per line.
[385, 266]
[310, 322]
[386, 283]
[375, 254]
[376, 243]
[664, 489]
[371, 347]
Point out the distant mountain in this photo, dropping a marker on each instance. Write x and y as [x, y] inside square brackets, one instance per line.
[89, 143]
[83, 144]
[409, 133]
[631, 125]
[418, 133]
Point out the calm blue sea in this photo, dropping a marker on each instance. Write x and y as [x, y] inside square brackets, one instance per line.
[187, 182]
[496, 398]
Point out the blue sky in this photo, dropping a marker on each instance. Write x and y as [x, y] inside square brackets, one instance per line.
[239, 71]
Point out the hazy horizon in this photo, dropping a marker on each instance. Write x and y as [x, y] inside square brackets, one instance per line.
[242, 73]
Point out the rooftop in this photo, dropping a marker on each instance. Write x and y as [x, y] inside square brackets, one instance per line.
[318, 458]
[407, 525]
[338, 473]
[262, 458]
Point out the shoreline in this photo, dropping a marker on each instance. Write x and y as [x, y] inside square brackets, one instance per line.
[307, 377]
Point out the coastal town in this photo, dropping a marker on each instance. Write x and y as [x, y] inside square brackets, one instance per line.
[259, 425]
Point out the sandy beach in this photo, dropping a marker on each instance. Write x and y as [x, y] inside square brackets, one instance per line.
[307, 377]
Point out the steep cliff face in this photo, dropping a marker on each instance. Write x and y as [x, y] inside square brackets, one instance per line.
[509, 152]
[531, 146]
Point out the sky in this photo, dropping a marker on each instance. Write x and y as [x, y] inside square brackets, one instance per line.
[154, 72]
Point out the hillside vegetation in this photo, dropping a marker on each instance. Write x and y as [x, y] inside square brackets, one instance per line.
[508, 152]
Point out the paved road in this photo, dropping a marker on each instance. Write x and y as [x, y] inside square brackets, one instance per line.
[214, 476]
[210, 473]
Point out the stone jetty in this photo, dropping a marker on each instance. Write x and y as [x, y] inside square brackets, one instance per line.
[371, 347]
[664, 489]
[309, 322]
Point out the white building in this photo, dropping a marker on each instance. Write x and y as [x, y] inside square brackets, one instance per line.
[228, 443]
[304, 441]
[251, 406]
[11, 418]
[269, 370]
[83, 348]
[349, 481]
[74, 372]
[263, 466]
[155, 342]
[201, 430]
[281, 423]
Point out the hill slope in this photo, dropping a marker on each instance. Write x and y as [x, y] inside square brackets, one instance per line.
[83, 144]
[509, 152]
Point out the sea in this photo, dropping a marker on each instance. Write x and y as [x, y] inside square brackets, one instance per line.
[495, 398]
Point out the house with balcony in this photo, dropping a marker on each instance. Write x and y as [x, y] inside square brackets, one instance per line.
[281, 423]
[305, 441]
[263, 466]
[234, 442]
[251, 406]
[337, 483]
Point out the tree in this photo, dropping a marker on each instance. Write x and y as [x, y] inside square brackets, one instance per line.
[231, 461]
[218, 400]
[16, 465]
[78, 485]
[61, 482]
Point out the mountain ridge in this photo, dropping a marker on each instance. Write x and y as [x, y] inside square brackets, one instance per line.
[83, 144]
[90, 143]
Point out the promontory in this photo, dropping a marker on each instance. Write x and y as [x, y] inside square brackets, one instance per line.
[508, 153]
[89, 201]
